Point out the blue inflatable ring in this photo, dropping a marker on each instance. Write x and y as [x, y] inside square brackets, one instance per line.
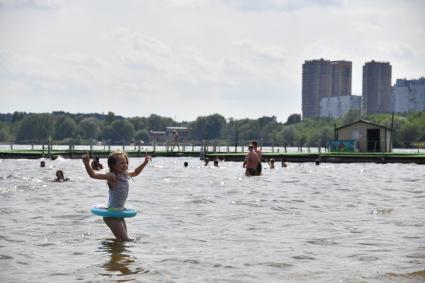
[108, 212]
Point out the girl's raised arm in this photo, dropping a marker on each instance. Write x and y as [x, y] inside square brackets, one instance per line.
[140, 167]
[92, 173]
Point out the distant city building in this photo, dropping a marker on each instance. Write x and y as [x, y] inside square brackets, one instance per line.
[376, 87]
[341, 78]
[316, 83]
[336, 107]
[408, 96]
[323, 78]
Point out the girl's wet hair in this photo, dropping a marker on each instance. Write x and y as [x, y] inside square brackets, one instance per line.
[112, 159]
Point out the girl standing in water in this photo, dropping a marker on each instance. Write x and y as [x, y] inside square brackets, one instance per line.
[117, 180]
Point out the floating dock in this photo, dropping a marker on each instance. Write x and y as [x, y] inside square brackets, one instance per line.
[328, 157]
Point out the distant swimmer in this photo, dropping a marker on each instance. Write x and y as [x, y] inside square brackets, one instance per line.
[271, 163]
[284, 165]
[117, 180]
[251, 161]
[60, 176]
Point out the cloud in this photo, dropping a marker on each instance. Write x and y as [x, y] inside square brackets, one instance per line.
[31, 4]
[222, 54]
[278, 5]
[82, 60]
[270, 53]
[154, 57]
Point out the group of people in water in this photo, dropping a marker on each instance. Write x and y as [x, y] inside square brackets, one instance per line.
[59, 175]
[252, 162]
[118, 175]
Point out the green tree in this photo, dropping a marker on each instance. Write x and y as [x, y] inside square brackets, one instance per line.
[288, 136]
[110, 118]
[4, 133]
[351, 116]
[88, 128]
[35, 127]
[65, 128]
[122, 130]
[139, 123]
[208, 127]
[409, 134]
[18, 116]
[293, 119]
[142, 135]
[158, 123]
[266, 126]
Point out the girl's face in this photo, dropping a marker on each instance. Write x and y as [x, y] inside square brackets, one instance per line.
[121, 165]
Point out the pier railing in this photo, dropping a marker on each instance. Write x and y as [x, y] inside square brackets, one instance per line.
[158, 147]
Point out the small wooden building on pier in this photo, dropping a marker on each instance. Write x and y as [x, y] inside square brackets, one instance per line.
[368, 136]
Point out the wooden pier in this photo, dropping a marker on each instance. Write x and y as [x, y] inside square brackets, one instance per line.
[328, 157]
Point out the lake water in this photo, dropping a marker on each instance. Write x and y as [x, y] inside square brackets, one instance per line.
[304, 223]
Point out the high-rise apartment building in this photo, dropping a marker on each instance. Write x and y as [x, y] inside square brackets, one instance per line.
[376, 87]
[408, 96]
[341, 78]
[317, 83]
[336, 107]
[323, 78]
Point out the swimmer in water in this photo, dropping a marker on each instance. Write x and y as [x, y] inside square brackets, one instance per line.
[271, 163]
[117, 180]
[60, 176]
[206, 161]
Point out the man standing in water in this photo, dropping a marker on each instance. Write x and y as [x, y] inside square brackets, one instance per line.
[257, 151]
[250, 162]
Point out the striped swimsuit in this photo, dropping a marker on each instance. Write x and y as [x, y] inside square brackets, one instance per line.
[118, 194]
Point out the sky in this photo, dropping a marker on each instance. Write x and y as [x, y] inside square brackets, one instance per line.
[188, 58]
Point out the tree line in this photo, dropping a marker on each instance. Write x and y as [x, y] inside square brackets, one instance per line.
[65, 128]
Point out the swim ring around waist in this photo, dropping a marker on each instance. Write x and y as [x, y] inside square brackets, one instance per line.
[111, 212]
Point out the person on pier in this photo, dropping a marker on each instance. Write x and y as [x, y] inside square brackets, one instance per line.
[175, 141]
